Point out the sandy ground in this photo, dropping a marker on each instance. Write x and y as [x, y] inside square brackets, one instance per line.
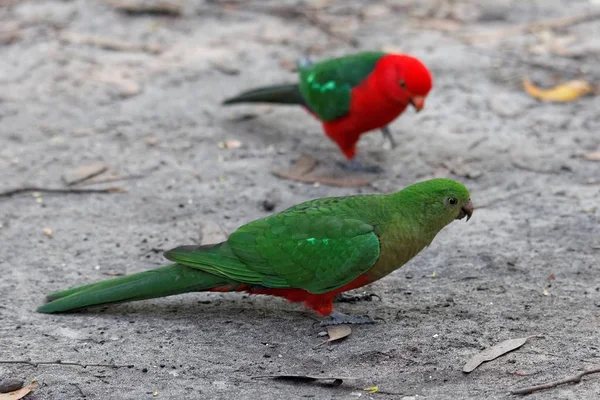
[150, 110]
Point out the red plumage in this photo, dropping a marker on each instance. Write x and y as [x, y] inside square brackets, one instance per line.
[396, 81]
[321, 303]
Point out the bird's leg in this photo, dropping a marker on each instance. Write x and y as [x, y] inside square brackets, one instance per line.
[387, 134]
[338, 318]
[304, 62]
[354, 298]
[356, 166]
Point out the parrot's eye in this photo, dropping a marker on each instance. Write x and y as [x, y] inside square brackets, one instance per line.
[452, 201]
[402, 83]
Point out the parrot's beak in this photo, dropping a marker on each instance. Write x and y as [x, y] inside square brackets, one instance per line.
[466, 211]
[418, 102]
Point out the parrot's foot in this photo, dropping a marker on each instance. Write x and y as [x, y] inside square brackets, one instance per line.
[304, 62]
[387, 134]
[356, 166]
[355, 298]
[338, 318]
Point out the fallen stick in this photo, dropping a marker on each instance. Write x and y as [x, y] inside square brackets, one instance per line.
[27, 189]
[59, 362]
[571, 379]
[166, 8]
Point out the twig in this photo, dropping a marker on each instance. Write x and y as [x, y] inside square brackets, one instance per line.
[88, 176]
[27, 189]
[79, 389]
[95, 181]
[59, 362]
[147, 7]
[571, 379]
[478, 142]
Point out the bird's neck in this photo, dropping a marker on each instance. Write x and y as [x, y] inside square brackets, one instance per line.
[403, 233]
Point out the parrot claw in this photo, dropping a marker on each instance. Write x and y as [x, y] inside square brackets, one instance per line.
[354, 298]
[356, 166]
[338, 318]
[387, 134]
[304, 62]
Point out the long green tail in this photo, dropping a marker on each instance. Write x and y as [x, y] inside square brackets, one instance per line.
[164, 281]
[278, 94]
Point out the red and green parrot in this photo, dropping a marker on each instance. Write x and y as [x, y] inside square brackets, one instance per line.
[352, 95]
[309, 253]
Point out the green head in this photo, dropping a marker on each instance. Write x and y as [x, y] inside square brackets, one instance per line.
[438, 201]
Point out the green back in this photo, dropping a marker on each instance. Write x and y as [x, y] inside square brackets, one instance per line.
[327, 86]
[318, 246]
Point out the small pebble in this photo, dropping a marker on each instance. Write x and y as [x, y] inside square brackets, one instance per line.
[268, 205]
[10, 385]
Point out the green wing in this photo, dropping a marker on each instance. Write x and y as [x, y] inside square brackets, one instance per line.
[327, 86]
[307, 246]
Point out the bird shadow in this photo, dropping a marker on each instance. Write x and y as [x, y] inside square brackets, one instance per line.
[218, 310]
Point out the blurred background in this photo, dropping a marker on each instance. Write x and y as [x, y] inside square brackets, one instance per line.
[114, 147]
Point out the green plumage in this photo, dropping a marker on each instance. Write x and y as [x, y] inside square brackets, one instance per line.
[318, 246]
[325, 87]
[159, 282]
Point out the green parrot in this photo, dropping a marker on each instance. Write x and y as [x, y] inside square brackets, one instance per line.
[309, 253]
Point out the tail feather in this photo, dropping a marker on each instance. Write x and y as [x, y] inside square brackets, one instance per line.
[278, 94]
[165, 281]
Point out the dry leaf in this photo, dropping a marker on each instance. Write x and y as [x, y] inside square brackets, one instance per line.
[224, 68]
[568, 91]
[288, 64]
[593, 156]
[372, 389]
[48, 232]
[495, 352]
[126, 87]
[84, 172]
[19, 394]
[337, 332]
[8, 37]
[229, 144]
[301, 171]
[151, 141]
